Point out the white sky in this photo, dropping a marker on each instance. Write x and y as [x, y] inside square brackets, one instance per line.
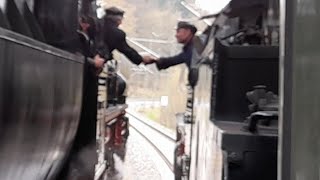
[212, 6]
[2, 4]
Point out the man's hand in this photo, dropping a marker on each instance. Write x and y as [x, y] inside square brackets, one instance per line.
[98, 63]
[148, 60]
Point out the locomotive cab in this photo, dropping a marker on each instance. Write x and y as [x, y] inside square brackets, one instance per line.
[238, 127]
[249, 155]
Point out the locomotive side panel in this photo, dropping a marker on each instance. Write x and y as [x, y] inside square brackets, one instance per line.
[41, 90]
[206, 155]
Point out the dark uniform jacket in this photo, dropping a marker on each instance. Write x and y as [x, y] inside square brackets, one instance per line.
[184, 57]
[87, 127]
[86, 47]
[115, 38]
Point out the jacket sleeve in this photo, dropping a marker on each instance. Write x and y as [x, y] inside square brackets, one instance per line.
[165, 62]
[128, 51]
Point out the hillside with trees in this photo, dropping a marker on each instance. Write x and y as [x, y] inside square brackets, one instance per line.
[154, 20]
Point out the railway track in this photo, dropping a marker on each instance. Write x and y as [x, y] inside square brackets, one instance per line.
[161, 139]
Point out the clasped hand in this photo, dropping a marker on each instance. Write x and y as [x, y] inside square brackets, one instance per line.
[148, 60]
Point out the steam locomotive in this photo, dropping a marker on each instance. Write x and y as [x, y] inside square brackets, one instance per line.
[231, 130]
[41, 92]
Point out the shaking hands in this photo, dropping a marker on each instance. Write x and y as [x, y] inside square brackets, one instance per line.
[148, 60]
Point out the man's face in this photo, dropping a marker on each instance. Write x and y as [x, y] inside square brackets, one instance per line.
[183, 35]
[84, 26]
[119, 21]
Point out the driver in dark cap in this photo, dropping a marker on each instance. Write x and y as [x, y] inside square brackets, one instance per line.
[184, 35]
[115, 38]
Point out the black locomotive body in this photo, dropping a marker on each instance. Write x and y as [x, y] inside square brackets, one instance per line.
[234, 133]
[41, 92]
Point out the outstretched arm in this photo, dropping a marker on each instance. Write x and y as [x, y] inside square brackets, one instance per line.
[165, 62]
[128, 51]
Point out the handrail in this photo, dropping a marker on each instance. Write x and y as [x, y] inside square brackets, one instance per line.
[194, 12]
[113, 112]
